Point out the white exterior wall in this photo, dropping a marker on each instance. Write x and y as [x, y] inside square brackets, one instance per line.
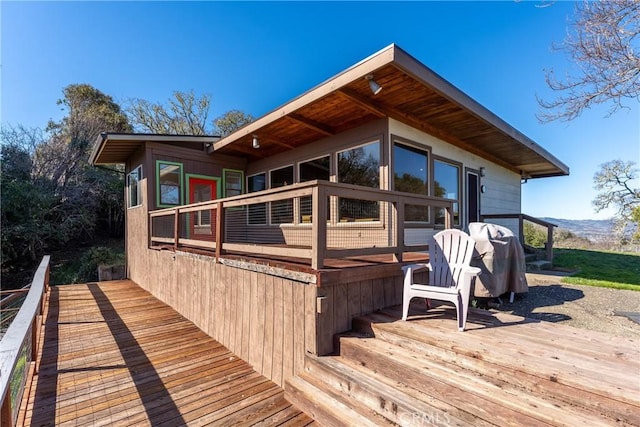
[503, 188]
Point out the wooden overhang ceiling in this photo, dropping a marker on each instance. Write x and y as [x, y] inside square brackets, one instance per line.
[412, 94]
[115, 148]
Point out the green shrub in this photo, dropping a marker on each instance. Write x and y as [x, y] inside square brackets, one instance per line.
[534, 235]
[95, 256]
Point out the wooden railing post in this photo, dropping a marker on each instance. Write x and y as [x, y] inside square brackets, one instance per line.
[521, 229]
[399, 227]
[318, 226]
[219, 229]
[549, 245]
[176, 228]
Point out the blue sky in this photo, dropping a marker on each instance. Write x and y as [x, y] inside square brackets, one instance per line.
[256, 56]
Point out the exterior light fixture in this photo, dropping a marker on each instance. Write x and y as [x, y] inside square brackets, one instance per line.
[255, 142]
[482, 171]
[375, 87]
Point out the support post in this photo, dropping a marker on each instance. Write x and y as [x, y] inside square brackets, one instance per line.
[550, 243]
[319, 226]
[398, 213]
[176, 228]
[219, 229]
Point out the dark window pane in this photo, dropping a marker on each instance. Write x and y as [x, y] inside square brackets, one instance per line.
[282, 210]
[313, 169]
[360, 166]
[169, 177]
[411, 173]
[257, 213]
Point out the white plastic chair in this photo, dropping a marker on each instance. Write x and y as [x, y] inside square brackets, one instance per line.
[450, 275]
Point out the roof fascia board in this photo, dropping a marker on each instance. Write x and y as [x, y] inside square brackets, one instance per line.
[359, 70]
[415, 68]
[103, 138]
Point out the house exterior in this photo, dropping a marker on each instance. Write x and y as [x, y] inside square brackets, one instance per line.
[273, 238]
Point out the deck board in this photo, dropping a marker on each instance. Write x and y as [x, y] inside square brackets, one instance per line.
[115, 355]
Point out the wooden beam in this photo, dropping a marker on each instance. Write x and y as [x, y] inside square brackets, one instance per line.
[362, 101]
[312, 124]
[275, 141]
[396, 114]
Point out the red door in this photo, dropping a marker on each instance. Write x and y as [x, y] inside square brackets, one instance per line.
[202, 223]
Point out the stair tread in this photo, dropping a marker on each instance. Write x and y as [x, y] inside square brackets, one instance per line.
[392, 399]
[488, 398]
[584, 391]
[325, 406]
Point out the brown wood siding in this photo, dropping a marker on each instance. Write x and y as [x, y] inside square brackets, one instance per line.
[193, 162]
[344, 301]
[269, 321]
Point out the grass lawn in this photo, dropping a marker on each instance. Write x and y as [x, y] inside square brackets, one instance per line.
[617, 270]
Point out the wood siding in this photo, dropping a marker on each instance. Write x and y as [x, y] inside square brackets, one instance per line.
[268, 321]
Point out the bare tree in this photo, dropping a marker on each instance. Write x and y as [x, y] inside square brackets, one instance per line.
[615, 182]
[231, 121]
[184, 114]
[604, 45]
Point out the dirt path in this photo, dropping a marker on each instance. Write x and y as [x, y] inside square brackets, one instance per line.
[598, 309]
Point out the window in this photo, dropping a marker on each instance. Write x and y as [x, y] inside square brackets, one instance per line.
[282, 210]
[411, 175]
[232, 182]
[446, 183]
[359, 166]
[313, 169]
[169, 183]
[257, 213]
[133, 187]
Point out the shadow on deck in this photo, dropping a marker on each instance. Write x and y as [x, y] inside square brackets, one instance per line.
[115, 355]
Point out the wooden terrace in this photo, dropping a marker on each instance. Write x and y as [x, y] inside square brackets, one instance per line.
[113, 354]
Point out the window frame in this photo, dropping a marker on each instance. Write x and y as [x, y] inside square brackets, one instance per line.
[180, 186]
[138, 187]
[270, 186]
[225, 180]
[336, 217]
[459, 198]
[266, 213]
[418, 148]
[300, 217]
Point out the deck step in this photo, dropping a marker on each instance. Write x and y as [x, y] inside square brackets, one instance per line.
[532, 389]
[326, 406]
[539, 265]
[436, 381]
[391, 399]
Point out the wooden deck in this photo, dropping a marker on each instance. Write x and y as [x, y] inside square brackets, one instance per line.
[503, 370]
[115, 355]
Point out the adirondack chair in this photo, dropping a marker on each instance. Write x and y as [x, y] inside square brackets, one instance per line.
[450, 275]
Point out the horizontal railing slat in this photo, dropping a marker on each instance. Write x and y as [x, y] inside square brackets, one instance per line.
[391, 204]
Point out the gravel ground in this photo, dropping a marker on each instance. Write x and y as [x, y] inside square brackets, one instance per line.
[588, 307]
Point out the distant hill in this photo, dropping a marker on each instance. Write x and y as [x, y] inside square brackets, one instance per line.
[592, 229]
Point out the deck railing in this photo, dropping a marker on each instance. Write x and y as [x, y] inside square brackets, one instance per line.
[19, 346]
[521, 219]
[10, 303]
[311, 221]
